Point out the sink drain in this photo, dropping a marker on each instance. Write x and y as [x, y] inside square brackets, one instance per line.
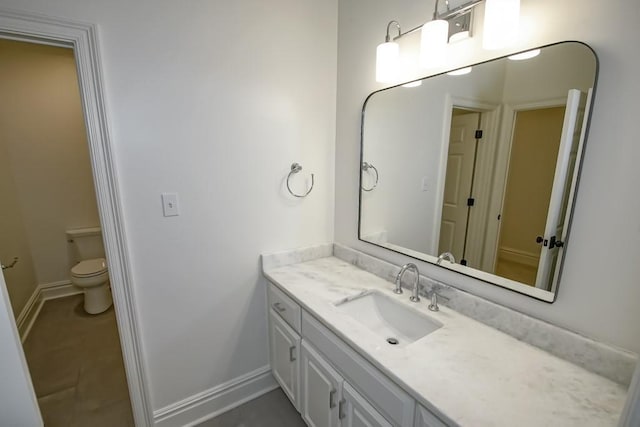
[392, 341]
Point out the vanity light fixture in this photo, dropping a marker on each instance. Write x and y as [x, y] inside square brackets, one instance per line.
[500, 29]
[460, 72]
[525, 55]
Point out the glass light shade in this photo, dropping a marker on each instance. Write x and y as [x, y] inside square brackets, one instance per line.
[433, 43]
[501, 19]
[387, 57]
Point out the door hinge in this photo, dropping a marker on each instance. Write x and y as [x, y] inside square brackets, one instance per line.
[471, 201]
[479, 134]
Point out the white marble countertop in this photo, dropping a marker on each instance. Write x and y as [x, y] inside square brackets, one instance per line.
[467, 372]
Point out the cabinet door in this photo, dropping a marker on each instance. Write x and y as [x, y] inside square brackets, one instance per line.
[285, 355]
[355, 411]
[321, 389]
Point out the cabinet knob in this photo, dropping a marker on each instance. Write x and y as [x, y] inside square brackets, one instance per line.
[292, 356]
[278, 307]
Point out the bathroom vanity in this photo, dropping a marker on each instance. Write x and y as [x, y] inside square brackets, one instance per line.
[348, 351]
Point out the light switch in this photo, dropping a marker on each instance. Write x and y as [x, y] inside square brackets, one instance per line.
[170, 204]
[425, 183]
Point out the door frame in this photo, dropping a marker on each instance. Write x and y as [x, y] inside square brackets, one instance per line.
[83, 39]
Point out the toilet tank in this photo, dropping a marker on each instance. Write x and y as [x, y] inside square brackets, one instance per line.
[86, 243]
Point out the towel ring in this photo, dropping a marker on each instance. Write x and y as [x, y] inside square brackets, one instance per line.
[295, 168]
[365, 167]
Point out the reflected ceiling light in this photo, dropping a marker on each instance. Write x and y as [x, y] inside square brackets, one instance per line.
[501, 19]
[413, 84]
[460, 72]
[387, 57]
[525, 55]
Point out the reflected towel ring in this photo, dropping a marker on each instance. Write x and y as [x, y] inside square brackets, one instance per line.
[365, 167]
[295, 168]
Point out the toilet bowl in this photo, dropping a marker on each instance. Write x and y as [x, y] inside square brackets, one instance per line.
[92, 277]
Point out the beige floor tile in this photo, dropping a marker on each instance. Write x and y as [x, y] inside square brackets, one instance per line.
[58, 408]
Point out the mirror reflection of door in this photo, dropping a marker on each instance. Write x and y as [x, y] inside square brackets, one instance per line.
[459, 180]
[541, 165]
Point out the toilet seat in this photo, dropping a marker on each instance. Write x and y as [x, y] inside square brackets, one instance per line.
[89, 268]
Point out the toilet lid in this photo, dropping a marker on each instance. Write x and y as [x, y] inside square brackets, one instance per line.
[89, 267]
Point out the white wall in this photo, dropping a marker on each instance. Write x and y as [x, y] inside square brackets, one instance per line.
[213, 100]
[598, 294]
[43, 135]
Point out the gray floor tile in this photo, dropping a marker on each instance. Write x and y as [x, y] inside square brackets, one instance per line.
[270, 410]
[76, 366]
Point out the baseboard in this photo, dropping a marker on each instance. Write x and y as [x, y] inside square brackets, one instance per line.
[521, 257]
[60, 289]
[42, 293]
[217, 400]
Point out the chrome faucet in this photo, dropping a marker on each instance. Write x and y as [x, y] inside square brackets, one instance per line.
[416, 286]
[448, 255]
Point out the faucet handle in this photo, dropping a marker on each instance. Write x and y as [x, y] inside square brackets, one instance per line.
[434, 302]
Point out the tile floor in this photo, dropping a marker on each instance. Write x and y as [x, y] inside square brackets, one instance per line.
[270, 410]
[76, 366]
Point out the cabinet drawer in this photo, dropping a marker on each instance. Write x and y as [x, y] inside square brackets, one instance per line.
[284, 306]
[392, 402]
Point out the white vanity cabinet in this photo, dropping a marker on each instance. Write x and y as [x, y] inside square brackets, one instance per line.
[329, 383]
[327, 400]
[284, 345]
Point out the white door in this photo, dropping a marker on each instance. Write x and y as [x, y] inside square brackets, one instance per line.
[571, 140]
[320, 390]
[18, 403]
[285, 355]
[355, 411]
[458, 183]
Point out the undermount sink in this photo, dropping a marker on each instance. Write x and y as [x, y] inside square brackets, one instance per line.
[391, 320]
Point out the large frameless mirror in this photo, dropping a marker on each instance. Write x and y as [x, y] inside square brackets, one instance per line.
[483, 163]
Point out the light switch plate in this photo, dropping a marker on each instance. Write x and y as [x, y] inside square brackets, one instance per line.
[170, 204]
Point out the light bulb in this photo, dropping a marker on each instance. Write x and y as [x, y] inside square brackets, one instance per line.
[501, 19]
[433, 43]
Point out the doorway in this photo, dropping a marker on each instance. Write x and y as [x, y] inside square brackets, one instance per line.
[534, 151]
[74, 359]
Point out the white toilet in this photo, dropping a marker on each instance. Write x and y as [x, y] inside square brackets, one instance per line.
[90, 273]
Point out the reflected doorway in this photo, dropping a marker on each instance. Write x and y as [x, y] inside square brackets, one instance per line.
[534, 152]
